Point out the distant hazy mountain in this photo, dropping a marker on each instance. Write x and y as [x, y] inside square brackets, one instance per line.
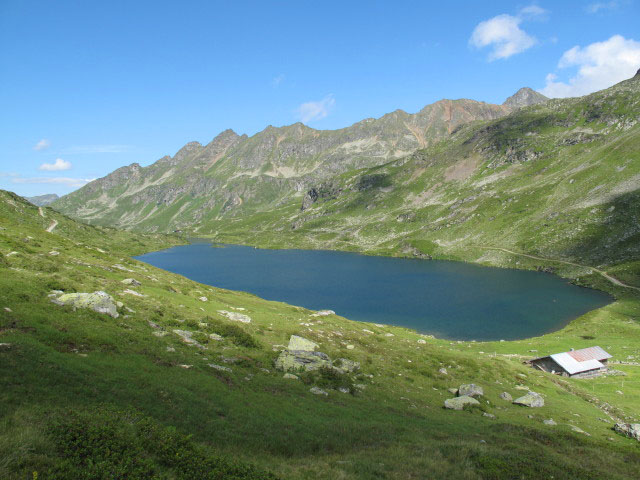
[236, 174]
[42, 200]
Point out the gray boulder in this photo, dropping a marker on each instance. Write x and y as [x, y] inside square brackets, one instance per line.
[236, 317]
[318, 391]
[296, 360]
[131, 281]
[100, 302]
[506, 396]
[344, 365]
[470, 390]
[631, 430]
[531, 399]
[458, 403]
[301, 344]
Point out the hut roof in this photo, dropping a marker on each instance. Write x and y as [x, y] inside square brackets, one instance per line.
[577, 361]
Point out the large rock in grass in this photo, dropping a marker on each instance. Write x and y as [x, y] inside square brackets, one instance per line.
[631, 430]
[100, 302]
[297, 360]
[470, 390]
[458, 403]
[531, 399]
[301, 344]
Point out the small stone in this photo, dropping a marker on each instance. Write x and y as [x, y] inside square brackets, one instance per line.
[171, 349]
[128, 291]
[350, 347]
[7, 309]
[388, 335]
[236, 317]
[203, 299]
[185, 366]
[550, 421]
[290, 376]
[422, 341]
[216, 337]
[131, 281]
[453, 391]
[488, 415]
[323, 313]
[220, 367]
[318, 391]
[443, 371]
[579, 430]
[506, 396]
[343, 390]
[54, 253]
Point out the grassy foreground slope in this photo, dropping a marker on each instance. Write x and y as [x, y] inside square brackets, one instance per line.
[84, 395]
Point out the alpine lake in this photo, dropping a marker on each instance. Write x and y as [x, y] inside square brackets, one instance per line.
[452, 300]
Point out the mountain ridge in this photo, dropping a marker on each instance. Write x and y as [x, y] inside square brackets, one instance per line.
[236, 172]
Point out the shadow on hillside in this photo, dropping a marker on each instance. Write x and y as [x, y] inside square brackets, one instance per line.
[616, 239]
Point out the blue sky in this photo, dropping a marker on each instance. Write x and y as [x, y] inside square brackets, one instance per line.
[86, 87]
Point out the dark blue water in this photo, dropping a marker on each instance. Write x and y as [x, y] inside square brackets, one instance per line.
[447, 299]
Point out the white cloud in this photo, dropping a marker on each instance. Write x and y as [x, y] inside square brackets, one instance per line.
[276, 81]
[598, 6]
[66, 181]
[532, 11]
[89, 149]
[310, 111]
[42, 145]
[599, 65]
[56, 166]
[504, 35]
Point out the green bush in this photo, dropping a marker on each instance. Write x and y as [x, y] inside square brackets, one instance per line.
[234, 333]
[107, 443]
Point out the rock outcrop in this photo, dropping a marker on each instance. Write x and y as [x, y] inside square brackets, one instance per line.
[100, 302]
[301, 355]
[631, 430]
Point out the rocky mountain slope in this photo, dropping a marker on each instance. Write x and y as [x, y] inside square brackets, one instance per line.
[160, 377]
[560, 180]
[237, 175]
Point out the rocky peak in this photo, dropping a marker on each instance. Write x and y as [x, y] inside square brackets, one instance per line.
[523, 98]
[637, 75]
[185, 151]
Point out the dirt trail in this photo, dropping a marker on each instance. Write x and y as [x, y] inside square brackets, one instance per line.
[613, 280]
[53, 225]
[40, 212]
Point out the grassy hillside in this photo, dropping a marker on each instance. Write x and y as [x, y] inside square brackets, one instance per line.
[85, 395]
[558, 181]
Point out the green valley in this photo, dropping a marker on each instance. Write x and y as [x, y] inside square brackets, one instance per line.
[184, 380]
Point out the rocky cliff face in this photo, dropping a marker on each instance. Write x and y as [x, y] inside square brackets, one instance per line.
[235, 174]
